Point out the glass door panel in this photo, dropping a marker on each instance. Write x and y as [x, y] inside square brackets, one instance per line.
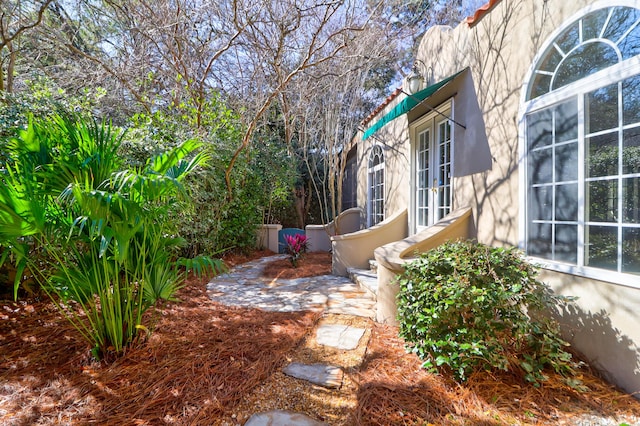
[433, 174]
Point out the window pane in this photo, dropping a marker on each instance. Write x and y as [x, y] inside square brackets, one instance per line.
[631, 151]
[541, 84]
[541, 166]
[569, 39]
[585, 60]
[566, 248]
[631, 250]
[550, 61]
[539, 129]
[602, 248]
[539, 240]
[567, 162]
[621, 20]
[602, 155]
[540, 203]
[444, 198]
[603, 201]
[631, 99]
[566, 121]
[602, 107]
[566, 202]
[631, 200]
[630, 45]
[593, 24]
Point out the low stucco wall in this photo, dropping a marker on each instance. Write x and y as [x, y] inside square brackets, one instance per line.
[268, 237]
[356, 249]
[319, 236]
[392, 257]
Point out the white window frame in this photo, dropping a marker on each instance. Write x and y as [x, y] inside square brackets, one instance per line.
[621, 71]
[430, 121]
[371, 172]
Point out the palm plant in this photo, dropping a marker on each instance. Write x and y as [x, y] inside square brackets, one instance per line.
[107, 236]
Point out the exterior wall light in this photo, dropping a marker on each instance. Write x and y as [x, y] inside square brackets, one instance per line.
[420, 74]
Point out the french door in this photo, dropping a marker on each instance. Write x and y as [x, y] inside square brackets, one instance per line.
[433, 168]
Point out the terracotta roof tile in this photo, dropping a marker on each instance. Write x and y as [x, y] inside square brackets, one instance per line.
[482, 10]
[380, 107]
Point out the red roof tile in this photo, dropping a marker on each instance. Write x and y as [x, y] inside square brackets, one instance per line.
[380, 107]
[483, 10]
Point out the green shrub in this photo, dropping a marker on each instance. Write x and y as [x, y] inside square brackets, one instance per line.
[262, 178]
[97, 237]
[468, 306]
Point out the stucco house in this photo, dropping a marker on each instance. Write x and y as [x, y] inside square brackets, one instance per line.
[525, 132]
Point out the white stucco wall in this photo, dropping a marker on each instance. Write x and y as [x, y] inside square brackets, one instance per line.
[393, 139]
[499, 50]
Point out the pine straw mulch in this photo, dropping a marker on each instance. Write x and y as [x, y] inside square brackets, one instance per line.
[394, 390]
[310, 265]
[205, 362]
[199, 362]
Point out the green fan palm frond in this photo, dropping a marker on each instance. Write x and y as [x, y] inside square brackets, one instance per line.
[161, 164]
[103, 233]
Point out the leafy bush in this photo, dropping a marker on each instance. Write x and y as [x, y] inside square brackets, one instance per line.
[98, 237]
[261, 179]
[469, 306]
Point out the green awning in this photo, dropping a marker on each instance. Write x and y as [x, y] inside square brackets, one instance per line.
[407, 105]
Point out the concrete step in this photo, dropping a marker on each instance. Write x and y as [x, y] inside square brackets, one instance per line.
[366, 280]
[373, 266]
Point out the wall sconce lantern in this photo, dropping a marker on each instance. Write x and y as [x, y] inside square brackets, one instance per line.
[418, 76]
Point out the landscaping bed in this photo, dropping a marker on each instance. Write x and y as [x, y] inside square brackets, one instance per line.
[208, 364]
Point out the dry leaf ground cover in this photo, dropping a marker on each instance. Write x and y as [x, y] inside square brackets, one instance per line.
[207, 364]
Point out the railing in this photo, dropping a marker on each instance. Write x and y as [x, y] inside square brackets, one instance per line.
[320, 235]
[392, 257]
[356, 249]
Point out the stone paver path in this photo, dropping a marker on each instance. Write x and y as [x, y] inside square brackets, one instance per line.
[328, 376]
[244, 286]
[282, 418]
[339, 336]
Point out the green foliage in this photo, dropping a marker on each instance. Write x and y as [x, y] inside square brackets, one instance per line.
[41, 99]
[262, 178]
[99, 238]
[468, 306]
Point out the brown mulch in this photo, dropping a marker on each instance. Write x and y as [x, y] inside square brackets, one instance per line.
[232, 258]
[395, 390]
[310, 265]
[204, 359]
[200, 361]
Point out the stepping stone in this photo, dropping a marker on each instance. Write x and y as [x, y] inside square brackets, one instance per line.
[282, 418]
[339, 336]
[328, 376]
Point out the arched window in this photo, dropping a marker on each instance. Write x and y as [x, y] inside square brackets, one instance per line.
[376, 186]
[582, 146]
[593, 43]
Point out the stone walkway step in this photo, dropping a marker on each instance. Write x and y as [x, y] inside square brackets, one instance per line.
[328, 376]
[245, 286]
[282, 418]
[339, 336]
[366, 280]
